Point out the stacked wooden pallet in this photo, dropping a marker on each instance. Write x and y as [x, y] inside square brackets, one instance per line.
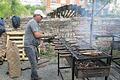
[18, 38]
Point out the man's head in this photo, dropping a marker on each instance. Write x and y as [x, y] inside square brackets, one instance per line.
[38, 15]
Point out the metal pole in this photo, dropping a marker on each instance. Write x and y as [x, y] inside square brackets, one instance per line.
[73, 67]
[91, 24]
[58, 64]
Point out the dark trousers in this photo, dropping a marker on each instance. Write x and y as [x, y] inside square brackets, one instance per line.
[32, 54]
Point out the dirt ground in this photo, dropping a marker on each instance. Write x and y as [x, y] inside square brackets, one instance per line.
[48, 71]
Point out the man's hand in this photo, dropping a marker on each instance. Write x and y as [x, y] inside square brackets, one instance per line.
[49, 39]
[38, 34]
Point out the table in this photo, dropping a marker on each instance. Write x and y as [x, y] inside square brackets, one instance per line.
[75, 56]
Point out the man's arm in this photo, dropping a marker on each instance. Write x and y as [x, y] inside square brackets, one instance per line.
[38, 34]
[36, 30]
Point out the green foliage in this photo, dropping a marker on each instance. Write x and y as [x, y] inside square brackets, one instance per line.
[48, 52]
[4, 8]
[17, 8]
[116, 53]
[12, 7]
[33, 8]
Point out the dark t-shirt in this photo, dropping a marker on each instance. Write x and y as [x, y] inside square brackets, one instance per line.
[32, 26]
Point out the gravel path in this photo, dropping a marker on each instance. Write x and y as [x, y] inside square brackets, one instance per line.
[48, 71]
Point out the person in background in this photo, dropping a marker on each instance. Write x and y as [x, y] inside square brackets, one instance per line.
[33, 34]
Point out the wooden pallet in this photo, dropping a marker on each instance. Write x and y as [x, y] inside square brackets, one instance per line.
[18, 38]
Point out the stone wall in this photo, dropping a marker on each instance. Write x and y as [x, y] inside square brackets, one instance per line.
[77, 26]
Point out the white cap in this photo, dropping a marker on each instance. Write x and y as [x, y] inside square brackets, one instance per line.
[39, 12]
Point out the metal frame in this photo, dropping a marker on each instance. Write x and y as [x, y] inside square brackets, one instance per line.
[75, 58]
[61, 67]
[112, 46]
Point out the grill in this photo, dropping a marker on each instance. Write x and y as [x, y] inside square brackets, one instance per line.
[91, 69]
[83, 65]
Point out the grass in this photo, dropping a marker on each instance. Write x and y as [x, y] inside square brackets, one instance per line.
[116, 53]
[47, 52]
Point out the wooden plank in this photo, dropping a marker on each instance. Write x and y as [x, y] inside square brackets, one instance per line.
[23, 39]
[18, 41]
[65, 55]
[21, 49]
[7, 40]
[15, 32]
[20, 46]
[16, 37]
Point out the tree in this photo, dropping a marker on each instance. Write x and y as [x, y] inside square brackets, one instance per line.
[4, 8]
[33, 8]
[12, 7]
[17, 8]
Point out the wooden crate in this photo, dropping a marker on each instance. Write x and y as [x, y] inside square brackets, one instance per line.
[18, 38]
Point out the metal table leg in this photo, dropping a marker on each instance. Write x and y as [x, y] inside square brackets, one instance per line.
[73, 66]
[106, 77]
[58, 64]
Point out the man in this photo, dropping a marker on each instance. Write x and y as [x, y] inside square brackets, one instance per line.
[31, 41]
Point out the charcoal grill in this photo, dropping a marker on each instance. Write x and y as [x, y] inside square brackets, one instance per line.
[76, 57]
